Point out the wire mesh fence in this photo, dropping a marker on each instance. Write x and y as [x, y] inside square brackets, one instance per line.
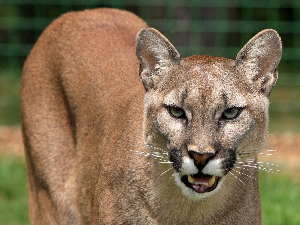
[214, 27]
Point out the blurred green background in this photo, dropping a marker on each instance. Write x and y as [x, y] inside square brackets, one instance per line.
[214, 27]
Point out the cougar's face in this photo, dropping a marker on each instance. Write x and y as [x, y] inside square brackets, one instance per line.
[207, 118]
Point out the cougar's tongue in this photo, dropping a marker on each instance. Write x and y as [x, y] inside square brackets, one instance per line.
[200, 182]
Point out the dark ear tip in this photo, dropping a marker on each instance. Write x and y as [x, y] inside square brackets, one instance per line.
[143, 35]
[260, 58]
[271, 34]
[151, 37]
[273, 39]
[146, 31]
[141, 32]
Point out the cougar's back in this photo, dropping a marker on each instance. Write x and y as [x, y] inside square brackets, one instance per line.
[82, 68]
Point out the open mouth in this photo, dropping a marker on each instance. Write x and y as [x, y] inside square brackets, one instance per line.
[200, 182]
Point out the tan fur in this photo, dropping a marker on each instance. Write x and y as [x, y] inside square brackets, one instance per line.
[89, 126]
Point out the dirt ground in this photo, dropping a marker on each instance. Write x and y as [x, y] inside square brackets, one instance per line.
[286, 146]
[11, 141]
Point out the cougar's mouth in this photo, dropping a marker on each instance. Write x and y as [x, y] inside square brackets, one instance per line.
[200, 182]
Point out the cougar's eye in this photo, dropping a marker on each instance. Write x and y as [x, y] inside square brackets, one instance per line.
[176, 111]
[231, 113]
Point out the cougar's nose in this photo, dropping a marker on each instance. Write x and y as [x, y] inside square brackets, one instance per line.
[201, 157]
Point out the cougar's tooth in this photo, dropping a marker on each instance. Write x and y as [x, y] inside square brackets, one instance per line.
[191, 179]
[212, 180]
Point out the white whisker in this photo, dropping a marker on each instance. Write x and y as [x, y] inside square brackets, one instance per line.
[264, 166]
[239, 172]
[269, 170]
[164, 172]
[236, 177]
[172, 176]
[156, 155]
[266, 163]
[162, 151]
[152, 163]
[164, 162]
[273, 152]
[245, 165]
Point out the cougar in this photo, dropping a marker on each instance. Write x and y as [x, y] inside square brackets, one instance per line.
[119, 129]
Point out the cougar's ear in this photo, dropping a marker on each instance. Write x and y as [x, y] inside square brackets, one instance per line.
[259, 59]
[155, 53]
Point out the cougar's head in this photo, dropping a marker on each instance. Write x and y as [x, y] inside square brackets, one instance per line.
[207, 112]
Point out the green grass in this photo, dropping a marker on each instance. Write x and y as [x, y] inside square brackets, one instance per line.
[280, 199]
[9, 96]
[280, 195]
[13, 191]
